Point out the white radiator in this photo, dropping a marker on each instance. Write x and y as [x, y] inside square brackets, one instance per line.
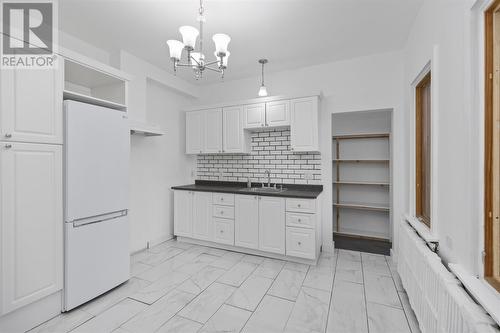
[436, 296]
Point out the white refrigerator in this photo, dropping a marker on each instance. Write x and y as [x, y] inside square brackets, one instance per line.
[97, 148]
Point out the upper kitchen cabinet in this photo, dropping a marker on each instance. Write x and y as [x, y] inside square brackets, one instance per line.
[235, 139]
[195, 132]
[270, 114]
[278, 113]
[226, 129]
[304, 124]
[31, 106]
[204, 131]
[213, 131]
[255, 115]
[94, 85]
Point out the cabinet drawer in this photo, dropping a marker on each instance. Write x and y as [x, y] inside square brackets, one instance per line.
[224, 212]
[223, 231]
[301, 220]
[301, 205]
[300, 242]
[223, 199]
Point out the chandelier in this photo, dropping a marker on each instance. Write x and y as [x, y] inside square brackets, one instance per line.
[196, 60]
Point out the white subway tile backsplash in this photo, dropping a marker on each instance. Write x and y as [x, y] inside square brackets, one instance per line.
[270, 151]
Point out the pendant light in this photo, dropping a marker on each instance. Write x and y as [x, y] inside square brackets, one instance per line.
[263, 89]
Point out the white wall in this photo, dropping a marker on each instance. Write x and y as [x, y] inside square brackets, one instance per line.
[75, 44]
[156, 163]
[440, 35]
[366, 83]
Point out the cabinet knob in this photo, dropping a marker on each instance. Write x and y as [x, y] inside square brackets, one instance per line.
[298, 205]
[8, 135]
[262, 125]
[222, 231]
[221, 212]
[300, 220]
[221, 199]
[8, 146]
[300, 243]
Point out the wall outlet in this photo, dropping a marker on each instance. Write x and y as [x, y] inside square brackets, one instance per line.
[308, 175]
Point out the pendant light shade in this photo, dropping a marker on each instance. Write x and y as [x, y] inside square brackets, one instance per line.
[221, 42]
[263, 89]
[224, 60]
[189, 35]
[175, 48]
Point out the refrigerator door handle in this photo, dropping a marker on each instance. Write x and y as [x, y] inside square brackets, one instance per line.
[99, 218]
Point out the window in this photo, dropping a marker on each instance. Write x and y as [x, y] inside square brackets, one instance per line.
[423, 150]
[492, 147]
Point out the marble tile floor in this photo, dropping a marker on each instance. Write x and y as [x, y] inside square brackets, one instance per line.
[178, 287]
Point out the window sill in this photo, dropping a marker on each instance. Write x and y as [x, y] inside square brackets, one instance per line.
[422, 229]
[480, 290]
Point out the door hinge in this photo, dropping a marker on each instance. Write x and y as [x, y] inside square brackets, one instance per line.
[483, 255]
[491, 76]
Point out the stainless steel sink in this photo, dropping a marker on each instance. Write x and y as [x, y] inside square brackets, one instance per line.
[263, 189]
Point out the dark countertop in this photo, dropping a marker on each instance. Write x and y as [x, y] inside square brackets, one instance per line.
[292, 190]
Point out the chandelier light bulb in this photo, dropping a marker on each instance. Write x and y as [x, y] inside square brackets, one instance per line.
[198, 59]
[175, 48]
[189, 35]
[224, 59]
[221, 42]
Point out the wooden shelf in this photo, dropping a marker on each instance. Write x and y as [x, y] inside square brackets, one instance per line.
[68, 94]
[362, 206]
[145, 129]
[361, 136]
[361, 161]
[357, 236]
[361, 183]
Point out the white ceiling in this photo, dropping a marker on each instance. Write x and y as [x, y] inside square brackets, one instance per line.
[290, 33]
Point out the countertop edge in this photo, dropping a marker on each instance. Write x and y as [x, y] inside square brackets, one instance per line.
[285, 194]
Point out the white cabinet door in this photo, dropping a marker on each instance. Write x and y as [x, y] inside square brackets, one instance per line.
[195, 132]
[202, 215]
[255, 115]
[31, 223]
[278, 113]
[213, 131]
[246, 221]
[31, 106]
[183, 213]
[304, 125]
[272, 224]
[236, 140]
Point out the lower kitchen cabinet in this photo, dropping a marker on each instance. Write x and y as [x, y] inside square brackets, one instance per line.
[223, 231]
[281, 227]
[246, 227]
[183, 213]
[272, 224]
[300, 242]
[31, 223]
[202, 207]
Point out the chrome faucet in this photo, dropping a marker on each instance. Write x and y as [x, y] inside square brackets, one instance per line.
[268, 172]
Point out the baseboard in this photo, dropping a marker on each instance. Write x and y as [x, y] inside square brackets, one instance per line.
[245, 250]
[159, 240]
[32, 315]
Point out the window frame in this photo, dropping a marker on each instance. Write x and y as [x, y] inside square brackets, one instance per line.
[491, 150]
[425, 82]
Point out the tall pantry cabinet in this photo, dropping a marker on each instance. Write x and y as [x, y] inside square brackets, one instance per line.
[31, 208]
